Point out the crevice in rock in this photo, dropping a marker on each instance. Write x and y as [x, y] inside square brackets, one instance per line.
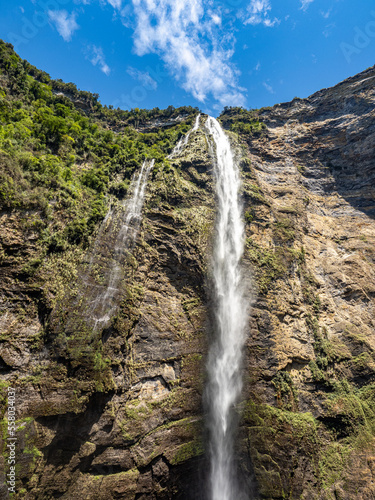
[4, 367]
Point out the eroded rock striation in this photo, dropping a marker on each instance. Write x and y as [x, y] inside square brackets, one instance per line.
[118, 413]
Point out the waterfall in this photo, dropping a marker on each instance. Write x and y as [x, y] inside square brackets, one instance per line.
[103, 306]
[230, 318]
[182, 143]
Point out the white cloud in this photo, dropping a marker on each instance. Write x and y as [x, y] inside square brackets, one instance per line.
[126, 16]
[66, 25]
[216, 19]
[257, 12]
[187, 41]
[268, 87]
[305, 4]
[96, 57]
[257, 67]
[116, 4]
[143, 77]
[326, 14]
[329, 29]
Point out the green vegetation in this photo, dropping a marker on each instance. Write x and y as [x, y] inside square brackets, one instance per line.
[266, 419]
[351, 421]
[242, 121]
[272, 429]
[284, 230]
[59, 157]
[329, 442]
[249, 216]
[188, 451]
[286, 394]
[271, 264]
[267, 263]
[254, 193]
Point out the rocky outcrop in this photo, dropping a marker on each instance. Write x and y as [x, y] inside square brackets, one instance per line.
[118, 413]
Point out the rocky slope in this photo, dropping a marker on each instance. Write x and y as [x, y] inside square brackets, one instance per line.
[118, 413]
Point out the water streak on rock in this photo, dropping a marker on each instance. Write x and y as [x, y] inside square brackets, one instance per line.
[104, 305]
[182, 143]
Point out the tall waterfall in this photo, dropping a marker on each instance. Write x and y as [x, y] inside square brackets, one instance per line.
[230, 317]
[104, 305]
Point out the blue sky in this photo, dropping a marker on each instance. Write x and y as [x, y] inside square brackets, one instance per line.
[205, 53]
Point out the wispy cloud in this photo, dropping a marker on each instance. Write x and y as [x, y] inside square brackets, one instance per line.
[268, 87]
[95, 55]
[116, 4]
[305, 4]
[326, 14]
[257, 12]
[188, 41]
[329, 29]
[65, 24]
[143, 77]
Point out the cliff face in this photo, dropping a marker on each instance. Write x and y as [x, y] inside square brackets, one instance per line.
[117, 413]
[311, 348]
[143, 416]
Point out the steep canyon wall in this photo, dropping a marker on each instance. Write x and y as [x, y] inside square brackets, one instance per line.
[117, 413]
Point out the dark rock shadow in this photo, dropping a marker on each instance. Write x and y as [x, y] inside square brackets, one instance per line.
[72, 430]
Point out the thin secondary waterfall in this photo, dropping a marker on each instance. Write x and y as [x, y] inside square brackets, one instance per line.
[230, 316]
[104, 305]
[182, 143]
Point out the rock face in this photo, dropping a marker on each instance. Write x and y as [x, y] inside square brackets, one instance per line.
[309, 415]
[119, 414]
[116, 413]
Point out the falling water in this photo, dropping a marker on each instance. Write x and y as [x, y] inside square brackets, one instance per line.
[182, 143]
[230, 315]
[103, 306]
